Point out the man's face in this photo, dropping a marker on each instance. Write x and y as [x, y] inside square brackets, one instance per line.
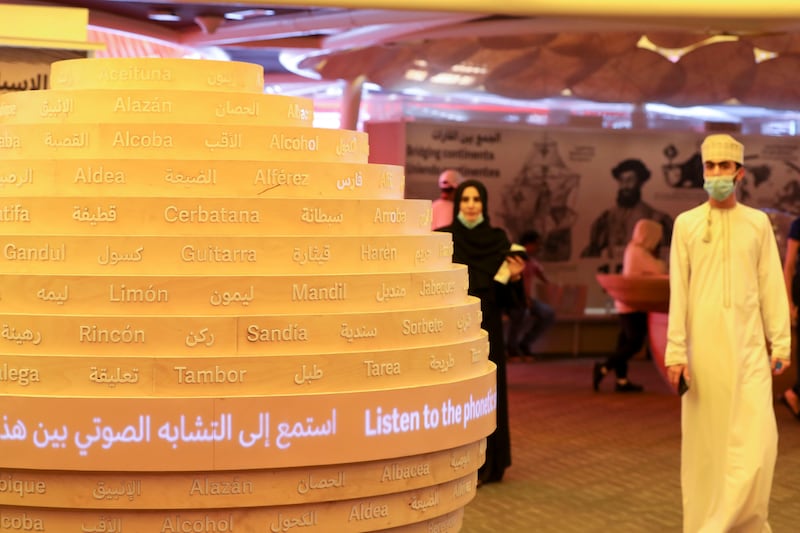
[531, 248]
[628, 180]
[712, 169]
[629, 193]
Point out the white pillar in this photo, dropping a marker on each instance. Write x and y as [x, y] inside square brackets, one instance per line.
[639, 119]
[351, 103]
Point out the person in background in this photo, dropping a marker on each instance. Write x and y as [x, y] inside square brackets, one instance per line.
[526, 310]
[791, 275]
[640, 258]
[443, 206]
[492, 270]
[728, 331]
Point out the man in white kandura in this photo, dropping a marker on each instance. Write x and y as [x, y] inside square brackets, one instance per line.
[727, 305]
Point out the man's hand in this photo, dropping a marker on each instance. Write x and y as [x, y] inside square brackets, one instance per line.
[779, 365]
[674, 375]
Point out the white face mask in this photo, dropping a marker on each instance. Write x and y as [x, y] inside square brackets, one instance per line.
[720, 187]
[467, 223]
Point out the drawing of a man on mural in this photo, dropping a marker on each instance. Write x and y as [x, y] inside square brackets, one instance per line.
[611, 231]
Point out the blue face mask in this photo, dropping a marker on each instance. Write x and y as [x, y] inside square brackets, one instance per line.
[467, 223]
[720, 187]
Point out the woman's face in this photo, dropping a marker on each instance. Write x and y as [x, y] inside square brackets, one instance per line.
[471, 206]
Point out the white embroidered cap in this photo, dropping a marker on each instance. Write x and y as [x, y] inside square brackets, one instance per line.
[450, 179]
[722, 147]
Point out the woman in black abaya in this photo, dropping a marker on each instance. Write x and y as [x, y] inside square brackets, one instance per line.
[484, 250]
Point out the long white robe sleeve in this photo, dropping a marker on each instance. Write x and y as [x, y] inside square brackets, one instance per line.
[727, 301]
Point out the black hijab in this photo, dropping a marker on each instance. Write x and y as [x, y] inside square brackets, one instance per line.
[482, 248]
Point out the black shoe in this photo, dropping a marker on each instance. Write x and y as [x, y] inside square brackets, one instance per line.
[597, 376]
[628, 387]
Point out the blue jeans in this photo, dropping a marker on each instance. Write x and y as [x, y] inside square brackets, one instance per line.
[527, 325]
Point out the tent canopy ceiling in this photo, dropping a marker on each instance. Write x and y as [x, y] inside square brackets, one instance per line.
[685, 53]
